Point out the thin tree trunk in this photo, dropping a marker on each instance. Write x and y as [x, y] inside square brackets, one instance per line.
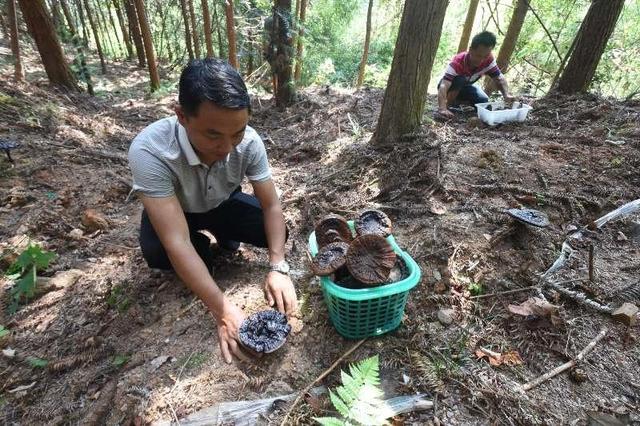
[509, 42]
[123, 29]
[148, 45]
[187, 30]
[468, 26]
[57, 19]
[96, 36]
[5, 27]
[592, 39]
[365, 52]
[68, 16]
[303, 14]
[207, 28]
[15, 43]
[113, 25]
[281, 59]
[34, 13]
[103, 25]
[194, 29]
[231, 33]
[413, 57]
[218, 30]
[83, 23]
[134, 27]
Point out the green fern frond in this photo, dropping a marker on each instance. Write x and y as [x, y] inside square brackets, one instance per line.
[359, 399]
[329, 421]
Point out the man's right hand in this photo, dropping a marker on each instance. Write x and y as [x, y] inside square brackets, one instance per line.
[228, 327]
[445, 114]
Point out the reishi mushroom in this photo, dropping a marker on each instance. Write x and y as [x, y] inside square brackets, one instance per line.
[373, 222]
[330, 258]
[370, 259]
[332, 228]
[265, 331]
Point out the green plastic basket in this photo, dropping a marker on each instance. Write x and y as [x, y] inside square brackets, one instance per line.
[359, 313]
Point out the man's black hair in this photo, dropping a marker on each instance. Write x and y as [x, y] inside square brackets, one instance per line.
[485, 38]
[212, 80]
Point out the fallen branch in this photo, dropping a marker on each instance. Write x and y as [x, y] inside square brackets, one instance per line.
[580, 298]
[320, 377]
[567, 365]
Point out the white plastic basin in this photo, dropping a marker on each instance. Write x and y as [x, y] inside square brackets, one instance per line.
[517, 113]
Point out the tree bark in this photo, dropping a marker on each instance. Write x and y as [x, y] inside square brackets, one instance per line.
[231, 33]
[69, 17]
[83, 23]
[592, 39]
[108, 6]
[468, 26]
[509, 42]
[207, 28]
[104, 26]
[96, 36]
[34, 12]
[413, 57]
[301, 18]
[194, 30]
[134, 27]
[15, 43]
[123, 29]
[148, 45]
[365, 52]
[218, 30]
[187, 30]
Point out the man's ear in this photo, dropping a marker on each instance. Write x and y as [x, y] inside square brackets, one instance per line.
[182, 117]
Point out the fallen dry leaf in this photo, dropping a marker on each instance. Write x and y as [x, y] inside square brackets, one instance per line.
[92, 220]
[436, 207]
[496, 359]
[537, 307]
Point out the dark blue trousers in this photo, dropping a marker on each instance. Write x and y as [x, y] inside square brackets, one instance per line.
[238, 219]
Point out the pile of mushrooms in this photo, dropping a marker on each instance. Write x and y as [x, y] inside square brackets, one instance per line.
[367, 257]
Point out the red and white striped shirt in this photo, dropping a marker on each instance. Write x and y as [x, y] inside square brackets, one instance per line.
[460, 67]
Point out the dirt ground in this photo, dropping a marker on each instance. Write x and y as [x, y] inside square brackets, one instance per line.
[445, 189]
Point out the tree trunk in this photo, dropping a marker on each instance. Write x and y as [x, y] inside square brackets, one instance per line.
[218, 30]
[509, 42]
[207, 28]
[187, 30]
[281, 53]
[123, 29]
[68, 16]
[34, 13]
[134, 27]
[591, 41]
[413, 57]
[57, 19]
[96, 36]
[104, 26]
[108, 6]
[301, 19]
[194, 29]
[365, 53]
[148, 45]
[83, 23]
[15, 44]
[5, 27]
[231, 33]
[468, 26]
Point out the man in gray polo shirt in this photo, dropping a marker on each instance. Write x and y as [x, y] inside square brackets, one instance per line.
[187, 170]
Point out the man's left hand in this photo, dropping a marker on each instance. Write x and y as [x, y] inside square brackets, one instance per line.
[280, 293]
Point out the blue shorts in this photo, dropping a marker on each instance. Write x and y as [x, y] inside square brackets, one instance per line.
[467, 92]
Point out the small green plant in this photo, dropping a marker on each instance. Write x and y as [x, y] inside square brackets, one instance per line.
[3, 331]
[194, 361]
[475, 288]
[37, 362]
[359, 399]
[540, 200]
[118, 299]
[24, 271]
[617, 161]
[120, 360]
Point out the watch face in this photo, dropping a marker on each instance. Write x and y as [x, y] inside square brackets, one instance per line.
[284, 267]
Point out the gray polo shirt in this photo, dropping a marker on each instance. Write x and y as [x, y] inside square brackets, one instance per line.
[163, 163]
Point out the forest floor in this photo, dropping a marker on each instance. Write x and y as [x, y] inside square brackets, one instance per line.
[106, 322]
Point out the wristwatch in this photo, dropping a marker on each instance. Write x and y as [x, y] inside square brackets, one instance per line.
[282, 267]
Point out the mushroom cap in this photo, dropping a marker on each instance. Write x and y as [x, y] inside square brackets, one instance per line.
[529, 217]
[332, 228]
[373, 222]
[264, 331]
[370, 259]
[330, 258]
